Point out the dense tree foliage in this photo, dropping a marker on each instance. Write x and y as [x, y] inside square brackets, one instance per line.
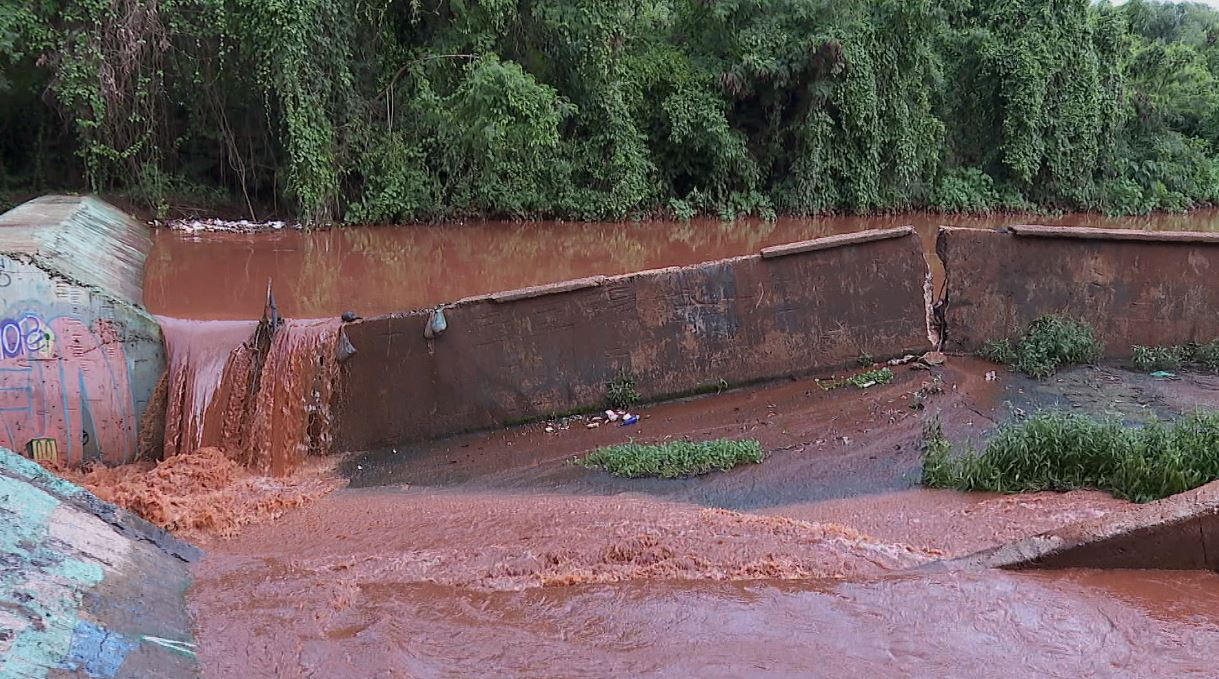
[424, 109]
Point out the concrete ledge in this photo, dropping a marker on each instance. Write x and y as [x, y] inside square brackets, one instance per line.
[1177, 533]
[543, 290]
[837, 241]
[1087, 233]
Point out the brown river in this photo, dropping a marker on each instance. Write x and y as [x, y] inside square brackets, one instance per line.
[551, 578]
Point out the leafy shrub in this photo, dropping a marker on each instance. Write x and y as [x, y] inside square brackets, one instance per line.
[1049, 343]
[621, 392]
[1065, 451]
[1151, 359]
[673, 459]
[966, 190]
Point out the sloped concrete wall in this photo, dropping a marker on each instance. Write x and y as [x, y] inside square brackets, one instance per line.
[85, 588]
[524, 354]
[1134, 287]
[79, 359]
[1177, 533]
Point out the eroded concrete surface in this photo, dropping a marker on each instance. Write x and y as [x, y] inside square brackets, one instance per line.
[491, 551]
[85, 588]
[79, 358]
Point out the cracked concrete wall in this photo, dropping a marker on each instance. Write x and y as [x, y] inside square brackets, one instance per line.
[1133, 287]
[79, 359]
[507, 357]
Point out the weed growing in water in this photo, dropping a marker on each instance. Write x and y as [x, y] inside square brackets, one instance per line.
[1049, 343]
[621, 392]
[673, 459]
[1065, 451]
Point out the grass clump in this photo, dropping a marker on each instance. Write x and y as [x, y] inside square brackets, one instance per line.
[1065, 451]
[1050, 343]
[863, 380]
[621, 392]
[673, 459]
[1151, 359]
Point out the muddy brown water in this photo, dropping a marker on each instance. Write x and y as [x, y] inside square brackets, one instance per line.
[796, 567]
[984, 624]
[495, 557]
[383, 269]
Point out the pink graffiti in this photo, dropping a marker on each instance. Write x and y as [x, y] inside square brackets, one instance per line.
[62, 379]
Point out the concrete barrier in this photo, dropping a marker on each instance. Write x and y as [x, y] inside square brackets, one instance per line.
[79, 358]
[1134, 287]
[524, 354]
[1176, 533]
[86, 589]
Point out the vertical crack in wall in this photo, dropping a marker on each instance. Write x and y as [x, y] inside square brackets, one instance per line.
[937, 321]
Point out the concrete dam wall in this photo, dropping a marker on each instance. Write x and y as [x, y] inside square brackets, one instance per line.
[1133, 287]
[79, 358]
[523, 354]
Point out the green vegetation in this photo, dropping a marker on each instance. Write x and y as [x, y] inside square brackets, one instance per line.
[621, 392]
[1062, 451]
[1152, 359]
[428, 109]
[863, 380]
[1050, 343]
[673, 459]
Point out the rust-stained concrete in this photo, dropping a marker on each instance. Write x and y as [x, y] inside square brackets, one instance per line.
[526, 354]
[79, 358]
[1176, 533]
[1134, 287]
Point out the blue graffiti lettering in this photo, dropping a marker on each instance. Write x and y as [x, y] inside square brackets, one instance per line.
[25, 335]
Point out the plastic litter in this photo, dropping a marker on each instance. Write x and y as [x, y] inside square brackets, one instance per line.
[992, 376]
[1163, 374]
[346, 349]
[436, 324]
[629, 420]
[611, 416]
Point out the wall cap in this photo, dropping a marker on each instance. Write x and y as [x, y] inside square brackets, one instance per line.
[830, 242]
[547, 289]
[1089, 233]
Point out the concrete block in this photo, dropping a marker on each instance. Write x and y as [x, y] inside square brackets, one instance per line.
[1145, 288]
[79, 358]
[86, 589]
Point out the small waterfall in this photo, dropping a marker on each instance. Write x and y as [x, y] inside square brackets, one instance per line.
[260, 391]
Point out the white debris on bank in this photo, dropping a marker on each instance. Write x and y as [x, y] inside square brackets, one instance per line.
[213, 225]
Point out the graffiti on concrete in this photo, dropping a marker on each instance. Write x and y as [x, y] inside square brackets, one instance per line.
[64, 378]
[24, 335]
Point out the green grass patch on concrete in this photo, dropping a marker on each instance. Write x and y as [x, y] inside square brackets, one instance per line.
[1049, 343]
[673, 459]
[1065, 451]
[1152, 359]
